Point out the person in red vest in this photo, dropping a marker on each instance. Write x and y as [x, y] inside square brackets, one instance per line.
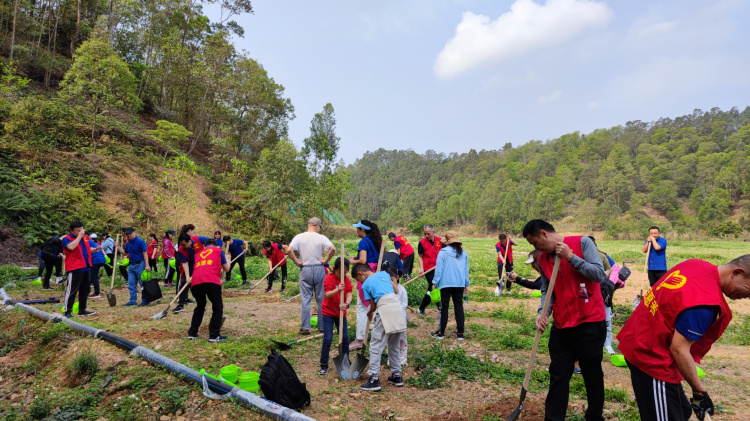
[276, 253]
[78, 265]
[579, 327]
[405, 252]
[672, 328]
[152, 250]
[189, 247]
[500, 249]
[205, 282]
[428, 250]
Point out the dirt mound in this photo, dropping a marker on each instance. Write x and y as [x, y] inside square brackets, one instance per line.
[152, 334]
[12, 249]
[533, 410]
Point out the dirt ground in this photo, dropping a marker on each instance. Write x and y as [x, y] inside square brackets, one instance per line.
[251, 319]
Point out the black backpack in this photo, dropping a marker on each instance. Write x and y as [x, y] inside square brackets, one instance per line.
[280, 383]
[52, 245]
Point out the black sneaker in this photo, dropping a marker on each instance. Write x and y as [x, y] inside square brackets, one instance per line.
[86, 313]
[218, 339]
[396, 380]
[69, 315]
[244, 283]
[420, 312]
[282, 289]
[372, 385]
[178, 309]
[460, 336]
[143, 303]
[323, 371]
[437, 335]
[191, 336]
[268, 290]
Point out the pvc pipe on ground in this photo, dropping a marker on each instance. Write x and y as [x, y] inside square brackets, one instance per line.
[268, 408]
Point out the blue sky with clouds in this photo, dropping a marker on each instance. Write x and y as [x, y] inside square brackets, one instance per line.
[452, 75]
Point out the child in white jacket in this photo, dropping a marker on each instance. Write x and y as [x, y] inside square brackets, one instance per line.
[403, 299]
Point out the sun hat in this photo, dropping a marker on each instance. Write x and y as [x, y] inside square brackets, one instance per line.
[451, 237]
[361, 225]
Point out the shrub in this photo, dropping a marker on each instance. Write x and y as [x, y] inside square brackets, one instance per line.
[40, 408]
[85, 362]
[174, 399]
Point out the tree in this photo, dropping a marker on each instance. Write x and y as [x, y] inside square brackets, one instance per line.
[100, 79]
[322, 146]
[170, 135]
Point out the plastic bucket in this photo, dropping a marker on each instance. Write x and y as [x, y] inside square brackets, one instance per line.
[435, 295]
[107, 260]
[248, 381]
[36, 282]
[536, 294]
[145, 276]
[230, 373]
[314, 321]
[125, 262]
[618, 360]
[171, 263]
[75, 308]
[701, 373]
[238, 277]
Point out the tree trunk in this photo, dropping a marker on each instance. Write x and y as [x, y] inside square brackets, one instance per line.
[93, 126]
[78, 30]
[13, 34]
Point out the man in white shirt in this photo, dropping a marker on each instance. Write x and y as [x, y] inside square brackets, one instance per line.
[311, 246]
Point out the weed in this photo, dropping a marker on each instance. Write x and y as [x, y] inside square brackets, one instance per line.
[53, 332]
[616, 395]
[66, 413]
[428, 379]
[516, 315]
[174, 399]
[738, 333]
[507, 338]
[40, 408]
[85, 362]
[621, 314]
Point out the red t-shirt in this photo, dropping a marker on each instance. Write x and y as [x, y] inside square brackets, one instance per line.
[331, 305]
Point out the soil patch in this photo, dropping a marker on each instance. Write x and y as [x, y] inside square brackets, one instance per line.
[533, 410]
[12, 248]
[152, 334]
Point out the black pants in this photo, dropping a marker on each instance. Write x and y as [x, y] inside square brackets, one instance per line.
[154, 265]
[78, 283]
[654, 276]
[51, 260]
[168, 272]
[213, 293]
[508, 269]
[95, 278]
[584, 344]
[426, 300]
[240, 261]
[408, 264]
[658, 400]
[275, 275]
[108, 268]
[457, 294]
[184, 296]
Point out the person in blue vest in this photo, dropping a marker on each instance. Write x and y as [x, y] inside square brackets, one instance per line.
[657, 257]
[78, 264]
[98, 260]
[135, 248]
[236, 248]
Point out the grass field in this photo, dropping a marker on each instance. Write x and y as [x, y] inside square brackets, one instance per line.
[46, 372]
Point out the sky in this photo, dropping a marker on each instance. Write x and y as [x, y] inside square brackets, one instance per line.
[455, 75]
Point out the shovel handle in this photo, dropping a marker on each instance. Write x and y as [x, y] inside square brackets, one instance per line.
[414, 279]
[343, 291]
[114, 265]
[181, 289]
[367, 334]
[648, 252]
[545, 309]
[380, 258]
[306, 339]
[261, 279]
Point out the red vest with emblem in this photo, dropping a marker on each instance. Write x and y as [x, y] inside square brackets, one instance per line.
[502, 251]
[197, 245]
[276, 255]
[185, 253]
[207, 267]
[429, 258]
[405, 248]
[647, 335]
[74, 258]
[568, 310]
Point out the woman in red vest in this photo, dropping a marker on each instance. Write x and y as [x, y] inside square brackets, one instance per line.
[580, 328]
[672, 328]
[428, 250]
[405, 252]
[502, 256]
[78, 265]
[205, 282]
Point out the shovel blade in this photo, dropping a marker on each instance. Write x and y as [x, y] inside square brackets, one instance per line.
[359, 366]
[342, 363]
[160, 315]
[517, 412]
[638, 299]
[112, 299]
[282, 346]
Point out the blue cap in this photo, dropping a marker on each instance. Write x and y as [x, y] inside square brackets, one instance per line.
[361, 225]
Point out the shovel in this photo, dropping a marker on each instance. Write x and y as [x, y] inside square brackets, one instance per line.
[163, 314]
[286, 346]
[360, 361]
[545, 309]
[341, 361]
[639, 297]
[269, 272]
[417, 277]
[500, 284]
[290, 299]
[111, 297]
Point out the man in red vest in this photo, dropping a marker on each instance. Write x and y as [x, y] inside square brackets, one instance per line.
[579, 327]
[205, 282]
[405, 252]
[78, 265]
[428, 250]
[276, 253]
[672, 328]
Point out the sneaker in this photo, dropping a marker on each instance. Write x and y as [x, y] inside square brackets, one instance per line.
[144, 303]
[178, 309]
[96, 296]
[372, 385]
[69, 315]
[576, 370]
[420, 312]
[508, 292]
[191, 336]
[130, 304]
[610, 350]
[268, 290]
[86, 313]
[437, 335]
[244, 283]
[189, 301]
[323, 371]
[303, 332]
[218, 339]
[357, 344]
[396, 380]
[282, 289]
[460, 336]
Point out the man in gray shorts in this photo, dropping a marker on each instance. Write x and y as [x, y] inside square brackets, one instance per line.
[311, 246]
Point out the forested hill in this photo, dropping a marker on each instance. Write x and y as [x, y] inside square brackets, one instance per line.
[687, 174]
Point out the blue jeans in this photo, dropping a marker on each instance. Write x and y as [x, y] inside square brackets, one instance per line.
[134, 279]
[328, 323]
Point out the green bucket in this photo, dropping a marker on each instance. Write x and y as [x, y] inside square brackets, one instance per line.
[171, 263]
[75, 308]
[145, 276]
[238, 277]
[107, 260]
[230, 373]
[125, 262]
[618, 360]
[314, 321]
[36, 282]
[435, 295]
[248, 381]
[161, 258]
[536, 294]
[701, 373]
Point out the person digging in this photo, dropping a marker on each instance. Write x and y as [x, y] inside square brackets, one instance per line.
[205, 283]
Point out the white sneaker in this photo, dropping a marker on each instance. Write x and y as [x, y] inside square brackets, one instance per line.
[508, 292]
[610, 350]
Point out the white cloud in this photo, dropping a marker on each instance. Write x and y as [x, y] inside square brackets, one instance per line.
[554, 96]
[480, 41]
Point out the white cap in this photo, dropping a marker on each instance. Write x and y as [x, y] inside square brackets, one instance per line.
[93, 236]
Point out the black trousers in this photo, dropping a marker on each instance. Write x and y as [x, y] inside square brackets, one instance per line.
[658, 400]
[168, 272]
[94, 278]
[154, 265]
[213, 293]
[184, 296]
[78, 283]
[457, 294]
[108, 268]
[426, 300]
[508, 269]
[408, 265]
[582, 343]
[50, 261]
[654, 276]
[240, 261]
[275, 275]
